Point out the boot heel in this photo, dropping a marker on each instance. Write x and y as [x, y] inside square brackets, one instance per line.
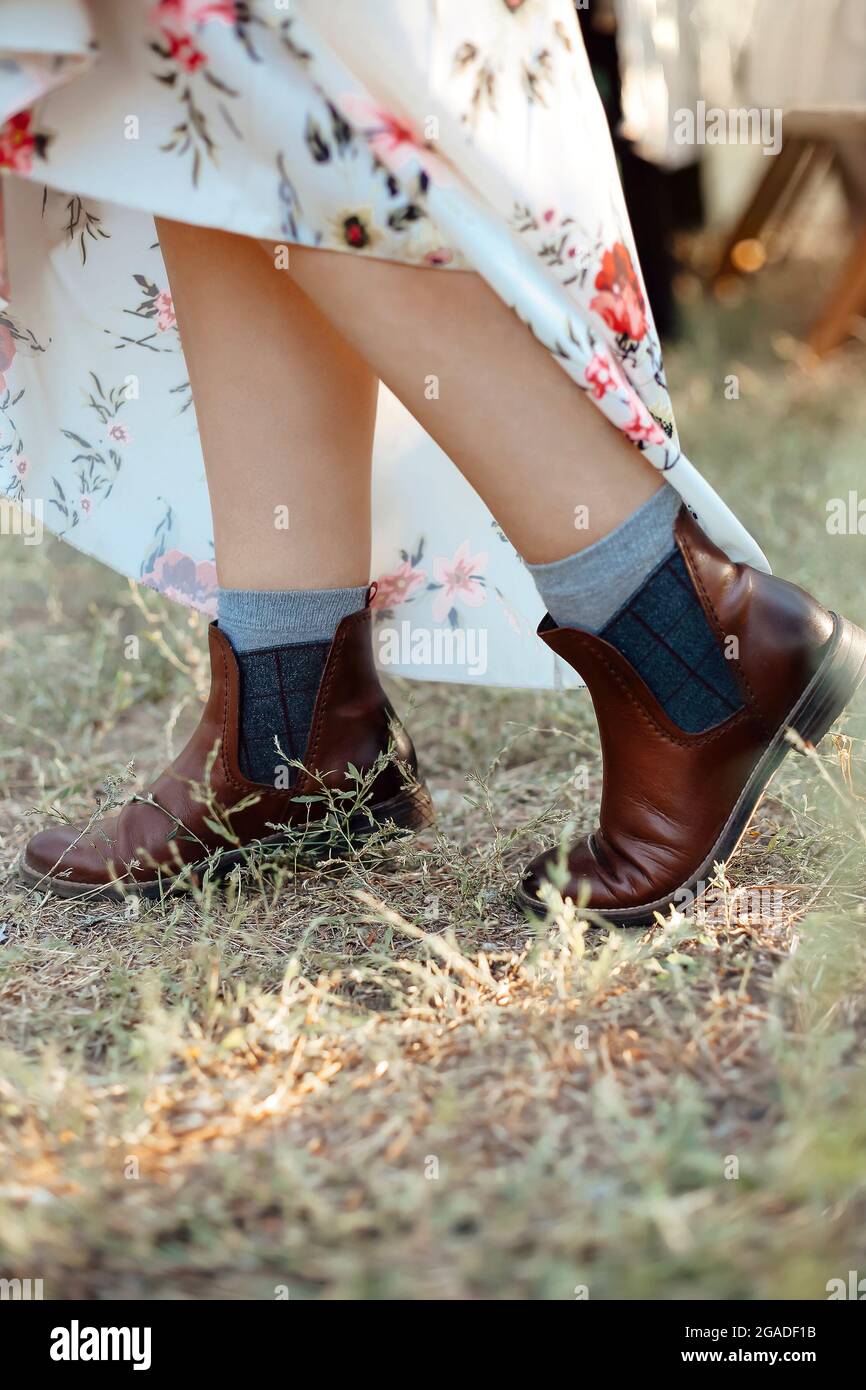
[835, 683]
[412, 809]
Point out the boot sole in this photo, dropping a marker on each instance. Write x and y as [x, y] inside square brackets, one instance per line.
[410, 811]
[832, 687]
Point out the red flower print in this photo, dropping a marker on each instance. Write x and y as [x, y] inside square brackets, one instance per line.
[644, 429]
[398, 586]
[180, 22]
[621, 303]
[355, 227]
[183, 51]
[391, 139]
[355, 232]
[600, 375]
[18, 143]
[7, 353]
[181, 16]
[459, 578]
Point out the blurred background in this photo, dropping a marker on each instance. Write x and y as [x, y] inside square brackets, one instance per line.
[798, 72]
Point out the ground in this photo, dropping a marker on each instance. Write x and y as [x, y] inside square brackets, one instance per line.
[375, 1079]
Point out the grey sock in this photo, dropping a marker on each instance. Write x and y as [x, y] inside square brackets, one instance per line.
[252, 618]
[663, 632]
[632, 587]
[586, 589]
[281, 639]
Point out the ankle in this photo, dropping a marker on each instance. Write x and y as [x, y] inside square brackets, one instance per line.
[281, 639]
[587, 588]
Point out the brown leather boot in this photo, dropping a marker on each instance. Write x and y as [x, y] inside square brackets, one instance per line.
[674, 804]
[150, 843]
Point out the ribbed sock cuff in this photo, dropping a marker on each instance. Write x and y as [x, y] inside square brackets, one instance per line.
[586, 589]
[257, 618]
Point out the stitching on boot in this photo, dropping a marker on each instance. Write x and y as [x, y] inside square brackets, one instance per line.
[689, 741]
[230, 779]
[312, 750]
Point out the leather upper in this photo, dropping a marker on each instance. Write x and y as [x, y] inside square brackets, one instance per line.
[666, 795]
[203, 802]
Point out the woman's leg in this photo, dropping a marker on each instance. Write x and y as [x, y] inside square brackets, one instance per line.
[536, 449]
[531, 444]
[696, 666]
[286, 411]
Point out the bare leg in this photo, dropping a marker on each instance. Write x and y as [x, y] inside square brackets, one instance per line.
[532, 445]
[286, 411]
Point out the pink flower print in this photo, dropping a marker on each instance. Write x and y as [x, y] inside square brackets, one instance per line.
[22, 466]
[460, 579]
[119, 434]
[165, 316]
[643, 429]
[393, 141]
[185, 580]
[178, 20]
[443, 255]
[85, 505]
[509, 612]
[17, 143]
[390, 139]
[7, 353]
[600, 375]
[179, 17]
[398, 586]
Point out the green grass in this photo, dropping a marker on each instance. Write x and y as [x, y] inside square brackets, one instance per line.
[374, 1079]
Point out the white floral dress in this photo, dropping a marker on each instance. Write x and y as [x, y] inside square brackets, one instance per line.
[434, 132]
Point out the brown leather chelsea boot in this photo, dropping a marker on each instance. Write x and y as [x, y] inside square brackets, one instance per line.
[673, 803]
[173, 828]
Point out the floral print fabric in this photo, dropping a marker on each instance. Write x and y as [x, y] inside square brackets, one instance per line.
[430, 132]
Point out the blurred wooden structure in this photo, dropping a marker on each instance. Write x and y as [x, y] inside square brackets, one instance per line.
[809, 150]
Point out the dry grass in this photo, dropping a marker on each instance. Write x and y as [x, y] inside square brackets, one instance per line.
[374, 1079]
